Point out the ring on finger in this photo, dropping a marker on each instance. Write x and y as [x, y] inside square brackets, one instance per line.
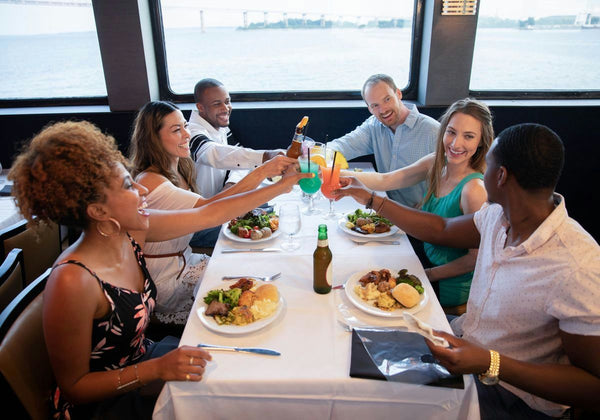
[191, 360]
[187, 376]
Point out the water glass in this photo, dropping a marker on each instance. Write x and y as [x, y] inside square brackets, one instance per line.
[290, 222]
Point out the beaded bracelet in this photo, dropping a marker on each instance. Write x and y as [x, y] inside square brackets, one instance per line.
[137, 379]
[369, 204]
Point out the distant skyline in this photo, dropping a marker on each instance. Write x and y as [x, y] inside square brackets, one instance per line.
[36, 19]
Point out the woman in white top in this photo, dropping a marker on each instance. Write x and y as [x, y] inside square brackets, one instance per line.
[161, 158]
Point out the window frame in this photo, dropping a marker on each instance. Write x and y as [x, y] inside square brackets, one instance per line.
[409, 92]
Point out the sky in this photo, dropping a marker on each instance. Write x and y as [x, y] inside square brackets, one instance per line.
[36, 19]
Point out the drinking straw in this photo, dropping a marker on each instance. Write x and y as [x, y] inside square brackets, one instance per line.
[308, 150]
[332, 167]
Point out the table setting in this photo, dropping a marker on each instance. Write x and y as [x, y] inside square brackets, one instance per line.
[314, 374]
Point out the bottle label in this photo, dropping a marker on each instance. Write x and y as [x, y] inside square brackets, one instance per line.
[322, 243]
[329, 274]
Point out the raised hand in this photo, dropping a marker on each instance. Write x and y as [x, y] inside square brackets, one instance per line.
[291, 177]
[462, 357]
[352, 187]
[278, 165]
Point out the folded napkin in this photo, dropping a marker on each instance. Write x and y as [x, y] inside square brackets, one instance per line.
[397, 356]
[414, 324]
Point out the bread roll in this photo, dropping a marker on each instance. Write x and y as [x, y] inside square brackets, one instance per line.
[406, 295]
[267, 292]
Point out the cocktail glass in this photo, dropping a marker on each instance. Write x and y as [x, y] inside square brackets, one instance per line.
[330, 178]
[310, 162]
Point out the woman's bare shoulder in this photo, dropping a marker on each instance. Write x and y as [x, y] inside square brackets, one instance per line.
[150, 180]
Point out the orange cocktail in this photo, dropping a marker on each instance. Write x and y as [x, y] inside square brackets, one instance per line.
[331, 181]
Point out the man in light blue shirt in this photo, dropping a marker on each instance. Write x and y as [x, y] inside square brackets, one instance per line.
[397, 134]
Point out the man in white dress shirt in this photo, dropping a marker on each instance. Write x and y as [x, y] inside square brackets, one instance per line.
[532, 326]
[211, 149]
[210, 144]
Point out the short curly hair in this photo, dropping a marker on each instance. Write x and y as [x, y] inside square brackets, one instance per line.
[64, 168]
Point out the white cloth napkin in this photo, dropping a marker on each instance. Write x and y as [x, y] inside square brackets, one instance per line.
[414, 324]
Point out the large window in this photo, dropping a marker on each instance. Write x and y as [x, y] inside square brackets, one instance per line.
[49, 51]
[550, 45]
[283, 45]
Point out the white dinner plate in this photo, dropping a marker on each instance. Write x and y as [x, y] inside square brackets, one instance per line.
[210, 323]
[342, 225]
[368, 307]
[230, 235]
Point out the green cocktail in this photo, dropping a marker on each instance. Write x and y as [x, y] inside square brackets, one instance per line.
[309, 185]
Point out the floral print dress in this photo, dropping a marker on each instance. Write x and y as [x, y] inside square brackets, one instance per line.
[118, 339]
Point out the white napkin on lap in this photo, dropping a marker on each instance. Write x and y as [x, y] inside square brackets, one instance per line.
[414, 324]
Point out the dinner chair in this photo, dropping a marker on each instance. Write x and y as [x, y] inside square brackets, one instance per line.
[41, 246]
[26, 380]
[11, 277]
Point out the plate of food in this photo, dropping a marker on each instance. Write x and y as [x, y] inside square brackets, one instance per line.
[244, 307]
[383, 293]
[258, 225]
[367, 223]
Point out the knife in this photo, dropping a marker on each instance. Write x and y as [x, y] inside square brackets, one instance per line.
[241, 349]
[232, 250]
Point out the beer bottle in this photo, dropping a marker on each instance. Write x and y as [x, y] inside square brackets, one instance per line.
[322, 269]
[295, 148]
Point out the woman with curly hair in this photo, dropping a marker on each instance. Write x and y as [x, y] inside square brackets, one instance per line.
[454, 174]
[160, 154]
[99, 296]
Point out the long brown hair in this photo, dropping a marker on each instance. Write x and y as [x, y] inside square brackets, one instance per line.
[480, 112]
[146, 150]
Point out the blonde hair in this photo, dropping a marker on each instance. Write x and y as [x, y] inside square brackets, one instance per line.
[64, 168]
[480, 112]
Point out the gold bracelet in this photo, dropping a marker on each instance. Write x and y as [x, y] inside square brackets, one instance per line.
[381, 206]
[137, 379]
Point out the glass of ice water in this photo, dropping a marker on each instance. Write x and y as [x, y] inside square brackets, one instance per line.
[290, 222]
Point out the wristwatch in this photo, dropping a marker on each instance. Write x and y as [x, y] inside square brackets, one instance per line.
[491, 376]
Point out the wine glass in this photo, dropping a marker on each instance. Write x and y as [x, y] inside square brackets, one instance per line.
[312, 157]
[290, 222]
[330, 175]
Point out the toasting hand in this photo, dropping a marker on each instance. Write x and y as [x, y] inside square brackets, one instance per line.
[352, 187]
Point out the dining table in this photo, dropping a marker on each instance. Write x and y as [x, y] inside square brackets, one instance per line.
[312, 332]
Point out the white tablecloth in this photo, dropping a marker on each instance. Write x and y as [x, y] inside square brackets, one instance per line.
[310, 380]
[9, 214]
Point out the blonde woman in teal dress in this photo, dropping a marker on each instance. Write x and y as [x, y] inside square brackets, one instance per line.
[454, 175]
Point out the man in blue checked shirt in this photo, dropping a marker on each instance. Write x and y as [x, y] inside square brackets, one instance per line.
[396, 133]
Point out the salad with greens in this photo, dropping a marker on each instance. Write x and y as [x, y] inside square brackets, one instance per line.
[367, 222]
[256, 224]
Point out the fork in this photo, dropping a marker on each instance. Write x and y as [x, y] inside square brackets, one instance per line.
[379, 242]
[265, 279]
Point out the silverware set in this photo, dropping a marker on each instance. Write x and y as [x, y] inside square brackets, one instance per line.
[359, 242]
[265, 278]
[232, 250]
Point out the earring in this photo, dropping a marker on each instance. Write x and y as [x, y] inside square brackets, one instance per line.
[107, 235]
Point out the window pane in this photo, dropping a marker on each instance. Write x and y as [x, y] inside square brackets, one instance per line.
[49, 51]
[327, 45]
[537, 45]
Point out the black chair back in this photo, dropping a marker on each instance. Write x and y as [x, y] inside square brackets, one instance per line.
[26, 380]
[12, 279]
